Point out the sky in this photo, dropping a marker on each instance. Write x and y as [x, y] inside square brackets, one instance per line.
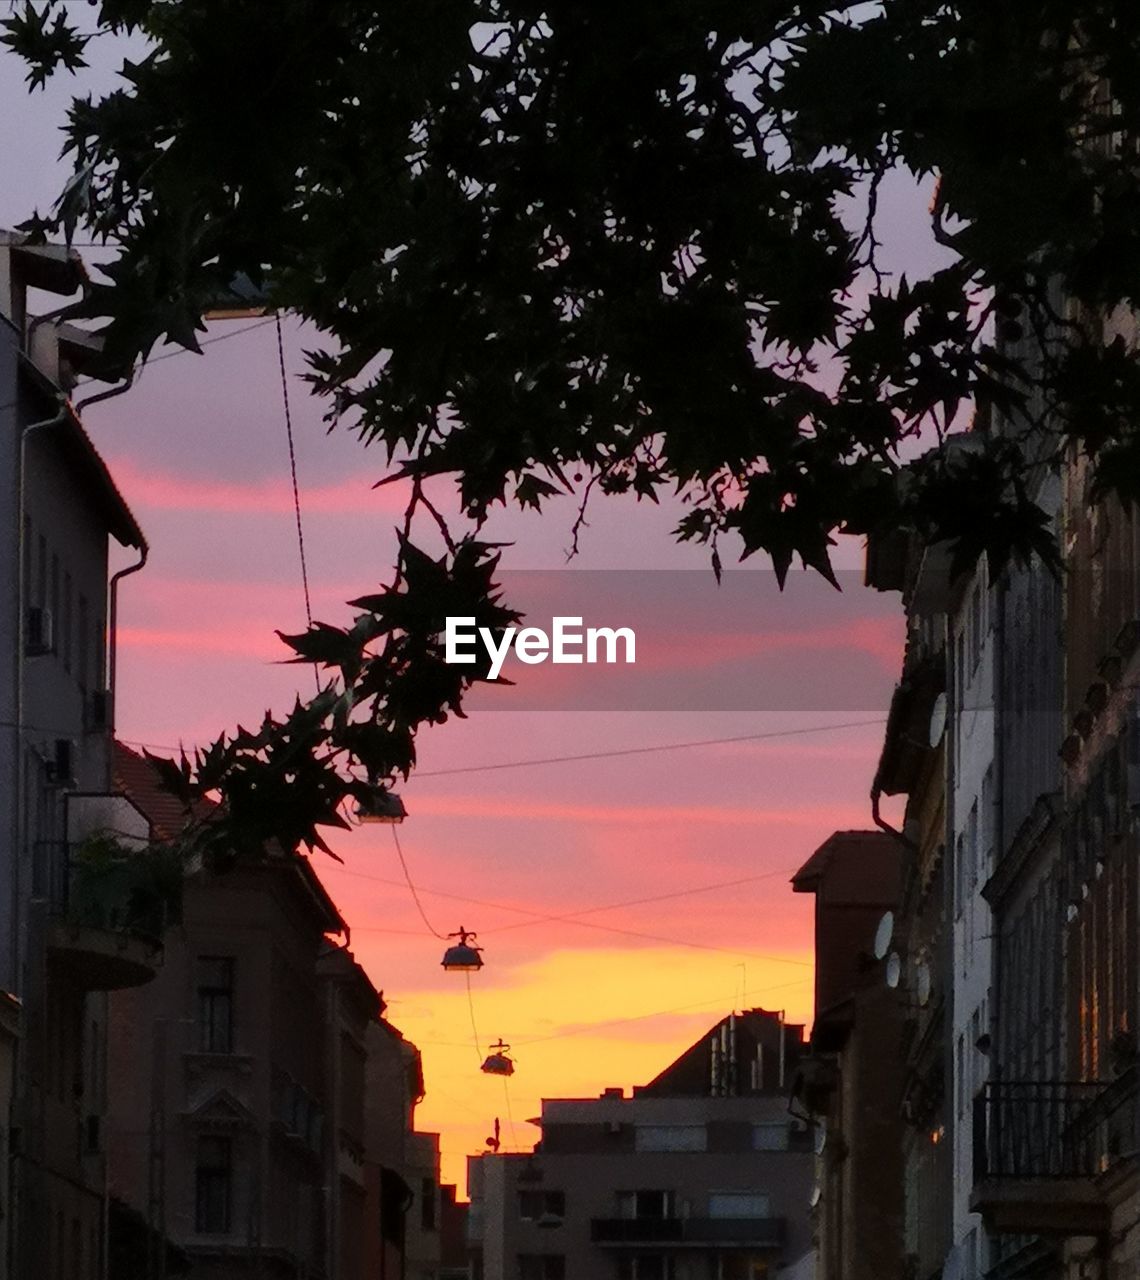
[625, 902]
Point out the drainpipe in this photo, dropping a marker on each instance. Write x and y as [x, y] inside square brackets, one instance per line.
[57, 419]
[109, 394]
[113, 608]
[17, 823]
[113, 645]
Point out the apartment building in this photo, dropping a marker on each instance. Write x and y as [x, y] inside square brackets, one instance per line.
[849, 1082]
[237, 1078]
[401, 1166]
[78, 917]
[971, 658]
[1056, 1175]
[700, 1175]
[918, 951]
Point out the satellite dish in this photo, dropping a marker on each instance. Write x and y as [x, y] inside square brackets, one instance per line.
[938, 720]
[894, 969]
[883, 934]
[816, 1197]
[820, 1140]
[922, 982]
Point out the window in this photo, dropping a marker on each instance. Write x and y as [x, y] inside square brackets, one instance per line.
[961, 1076]
[83, 645]
[216, 1004]
[738, 1204]
[55, 589]
[959, 874]
[213, 1185]
[740, 1266]
[534, 1205]
[671, 1137]
[972, 850]
[542, 1266]
[67, 621]
[427, 1204]
[770, 1137]
[28, 567]
[645, 1204]
[648, 1266]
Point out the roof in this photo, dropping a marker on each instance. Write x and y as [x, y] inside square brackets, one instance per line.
[137, 778]
[89, 466]
[860, 867]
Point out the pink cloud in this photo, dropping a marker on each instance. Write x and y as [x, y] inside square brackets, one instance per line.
[166, 490]
[259, 642]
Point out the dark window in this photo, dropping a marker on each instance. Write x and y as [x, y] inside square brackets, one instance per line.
[67, 621]
[28, 547]
[55, 591]
[534, 1205]
[647, 1266]
[213, 1186]
[216, 1004]
[83, 645]
[542, 1266]
[645, 1204]
[427, 1204]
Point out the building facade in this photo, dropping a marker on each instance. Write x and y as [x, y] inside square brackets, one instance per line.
[79, 917]
[700, 1175]
[849, 1083]
[237, 1081]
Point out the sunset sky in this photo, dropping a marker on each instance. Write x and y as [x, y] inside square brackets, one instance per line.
[625, 903]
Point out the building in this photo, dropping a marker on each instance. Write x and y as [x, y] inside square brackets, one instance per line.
[351, 1006]
[700, 1175]
[9, 1040]
[971, 815]
[1056, 1175]
[79, 916]
[850, 1080]
[919, 951]
[422, 1227]
[236, 1114]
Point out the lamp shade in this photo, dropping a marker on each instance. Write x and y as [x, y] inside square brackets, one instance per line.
[380, 805]
[462, 957]
[498, 1062]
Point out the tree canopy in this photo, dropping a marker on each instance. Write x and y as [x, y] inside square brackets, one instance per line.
[610, 248]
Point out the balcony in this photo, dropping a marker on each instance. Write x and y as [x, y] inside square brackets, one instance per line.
[110, 906]
[692, 1233]
[1044, 1152]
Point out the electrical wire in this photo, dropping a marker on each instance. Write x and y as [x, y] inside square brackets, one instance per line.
[537, 917]
[510, 1115]
[642, 751]
[640, 902]
[591, 755]
[588, 1027]
[293, 478]
[170, 355]
[411, 885]
[471, 1011]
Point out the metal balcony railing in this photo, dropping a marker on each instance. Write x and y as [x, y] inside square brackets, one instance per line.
[101, 885]
[1054, 1129]
[757, 1232]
